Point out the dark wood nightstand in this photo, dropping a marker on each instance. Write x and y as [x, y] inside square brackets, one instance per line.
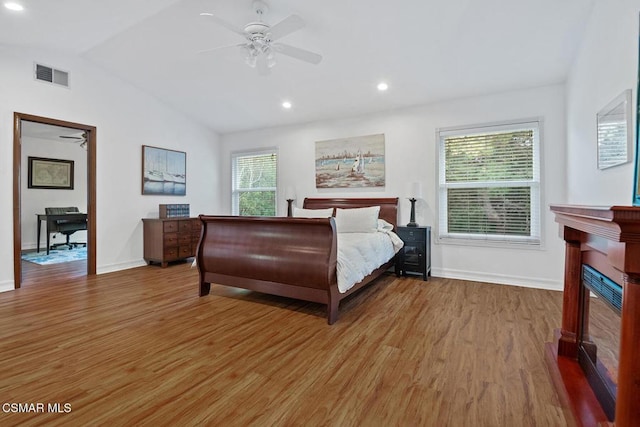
[415, 256]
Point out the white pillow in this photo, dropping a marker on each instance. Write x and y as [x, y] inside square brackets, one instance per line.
[384, 225]
[312, 213]
[357, 220]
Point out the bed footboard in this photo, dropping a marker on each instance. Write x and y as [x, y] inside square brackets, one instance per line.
[292, 257]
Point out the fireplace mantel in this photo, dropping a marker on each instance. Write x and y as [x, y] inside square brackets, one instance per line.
[608, 239]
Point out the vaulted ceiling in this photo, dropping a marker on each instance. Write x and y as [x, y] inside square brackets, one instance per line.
[426, 50]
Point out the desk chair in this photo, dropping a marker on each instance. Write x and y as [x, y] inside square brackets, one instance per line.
[66, 227]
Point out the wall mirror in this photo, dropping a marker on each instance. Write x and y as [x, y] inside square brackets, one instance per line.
[614, 132]
[636, 177]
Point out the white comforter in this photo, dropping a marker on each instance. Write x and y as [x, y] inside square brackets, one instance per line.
[361, 253]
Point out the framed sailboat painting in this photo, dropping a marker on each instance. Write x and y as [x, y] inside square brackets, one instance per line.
[164, 172]
[350, 162]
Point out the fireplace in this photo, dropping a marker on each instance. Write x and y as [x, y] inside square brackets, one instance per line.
[599, 344]
[593, 359]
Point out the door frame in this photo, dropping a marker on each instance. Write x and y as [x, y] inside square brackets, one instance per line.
[17, 189]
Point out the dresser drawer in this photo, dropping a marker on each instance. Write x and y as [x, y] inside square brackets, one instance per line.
[170, 239]
[411, 235]
[195, 238]
[171, 253]
[185, 226]
[186, 251]
[170, 226]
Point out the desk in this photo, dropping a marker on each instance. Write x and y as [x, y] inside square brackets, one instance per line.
[49, 218]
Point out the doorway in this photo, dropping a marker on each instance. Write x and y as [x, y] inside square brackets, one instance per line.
[19, 175]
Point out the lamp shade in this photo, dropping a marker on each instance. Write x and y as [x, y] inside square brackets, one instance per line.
[290, 193]
[415, 190]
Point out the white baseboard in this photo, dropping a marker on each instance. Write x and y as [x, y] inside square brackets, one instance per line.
[7, 286]
[501, 279]
[43, 246]
[110, 268]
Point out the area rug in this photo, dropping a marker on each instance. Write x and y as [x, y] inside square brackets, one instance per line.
[56, 256]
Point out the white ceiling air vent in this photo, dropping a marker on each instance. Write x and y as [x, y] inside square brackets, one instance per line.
[51, 75]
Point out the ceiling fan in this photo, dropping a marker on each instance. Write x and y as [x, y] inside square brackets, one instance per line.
[81, 138]
[260, 46]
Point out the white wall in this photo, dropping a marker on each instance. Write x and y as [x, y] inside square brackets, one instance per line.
[606, 65]
[410, 146]
[125, 119]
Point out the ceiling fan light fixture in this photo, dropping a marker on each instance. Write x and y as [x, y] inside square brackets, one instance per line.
[271, 58]
[17, 7]
[251, 55]
[251, 60]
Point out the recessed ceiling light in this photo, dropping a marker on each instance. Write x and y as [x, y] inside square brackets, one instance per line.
[14, 6]
[286, 105]
[382, 86]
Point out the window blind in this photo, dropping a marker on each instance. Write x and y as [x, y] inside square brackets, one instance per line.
[611, 130]
[489, 186]
[254, 178]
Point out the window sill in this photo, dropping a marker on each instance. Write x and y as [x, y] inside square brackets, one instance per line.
[482, 243]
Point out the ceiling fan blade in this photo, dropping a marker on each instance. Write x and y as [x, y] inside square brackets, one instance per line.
[285, 27]
[223, 23]
[82, 136]
[213, 49]
[297, 53]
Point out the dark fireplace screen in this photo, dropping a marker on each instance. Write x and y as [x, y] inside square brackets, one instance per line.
[598, 353]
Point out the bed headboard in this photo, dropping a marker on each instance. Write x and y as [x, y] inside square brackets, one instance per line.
[388, 205]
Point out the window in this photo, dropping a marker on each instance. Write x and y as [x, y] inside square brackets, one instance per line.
[254, 183]
[489, 184]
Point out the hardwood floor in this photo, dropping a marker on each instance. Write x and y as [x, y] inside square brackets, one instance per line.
[139, 347]
[39, 275]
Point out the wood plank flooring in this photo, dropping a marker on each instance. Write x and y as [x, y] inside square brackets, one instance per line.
[39, 275]
[139, 347]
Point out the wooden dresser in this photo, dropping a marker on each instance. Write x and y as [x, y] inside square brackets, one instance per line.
[170, 239]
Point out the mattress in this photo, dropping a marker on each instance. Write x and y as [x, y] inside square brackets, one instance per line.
[359, 254]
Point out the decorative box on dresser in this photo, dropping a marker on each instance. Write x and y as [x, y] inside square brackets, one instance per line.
[170, 239]
[415, 256]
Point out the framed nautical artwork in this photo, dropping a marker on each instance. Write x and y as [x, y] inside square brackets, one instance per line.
[350, 162]
[164, 172]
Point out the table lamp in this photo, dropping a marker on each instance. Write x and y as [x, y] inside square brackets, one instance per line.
[290, 195]
[415, 193]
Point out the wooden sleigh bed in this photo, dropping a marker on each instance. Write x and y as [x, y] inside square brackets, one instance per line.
[290, 257]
